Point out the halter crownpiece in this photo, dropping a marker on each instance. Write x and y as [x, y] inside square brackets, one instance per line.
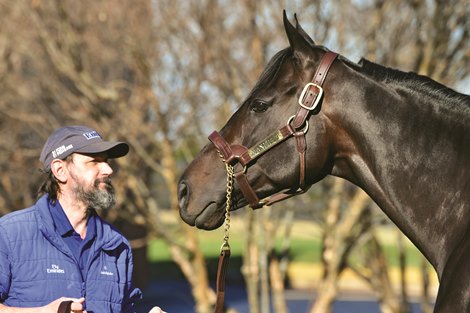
[297, 126]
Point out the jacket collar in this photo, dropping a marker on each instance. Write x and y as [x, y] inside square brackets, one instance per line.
[46, 225]
[107, 237]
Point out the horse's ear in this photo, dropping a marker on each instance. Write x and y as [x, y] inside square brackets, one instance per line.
[302, 31]
[296, 36]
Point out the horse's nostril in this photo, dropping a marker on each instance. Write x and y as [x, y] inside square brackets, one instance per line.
[183, 195]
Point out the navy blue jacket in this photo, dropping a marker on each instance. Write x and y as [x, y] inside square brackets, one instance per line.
[37, 267]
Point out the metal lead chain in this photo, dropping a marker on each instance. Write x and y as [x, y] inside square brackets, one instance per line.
[228, 204]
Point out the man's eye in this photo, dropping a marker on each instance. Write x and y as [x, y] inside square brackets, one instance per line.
[259, 106]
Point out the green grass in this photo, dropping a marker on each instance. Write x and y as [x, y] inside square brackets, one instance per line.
[301, 249]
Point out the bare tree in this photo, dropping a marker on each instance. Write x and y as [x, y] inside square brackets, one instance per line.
[162, 74]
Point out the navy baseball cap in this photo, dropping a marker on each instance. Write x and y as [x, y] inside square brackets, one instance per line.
[81, 139]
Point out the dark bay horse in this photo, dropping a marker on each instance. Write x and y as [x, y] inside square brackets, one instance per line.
[401, 137]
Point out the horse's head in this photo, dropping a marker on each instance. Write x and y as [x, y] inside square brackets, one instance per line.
[265, 137]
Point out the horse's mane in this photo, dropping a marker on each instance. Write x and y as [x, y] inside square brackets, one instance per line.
[413, 82]
[416, 83]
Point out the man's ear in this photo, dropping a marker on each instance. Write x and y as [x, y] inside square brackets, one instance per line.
[59, 170]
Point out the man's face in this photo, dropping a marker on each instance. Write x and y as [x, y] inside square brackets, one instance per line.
[90, 181]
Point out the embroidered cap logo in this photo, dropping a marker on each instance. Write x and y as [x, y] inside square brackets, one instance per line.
[91, 135]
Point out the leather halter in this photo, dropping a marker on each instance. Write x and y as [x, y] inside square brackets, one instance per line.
[297, 126]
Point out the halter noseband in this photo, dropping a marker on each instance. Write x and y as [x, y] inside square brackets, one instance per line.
[297, 126]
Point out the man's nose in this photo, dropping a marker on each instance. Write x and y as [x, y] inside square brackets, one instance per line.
[106, 169]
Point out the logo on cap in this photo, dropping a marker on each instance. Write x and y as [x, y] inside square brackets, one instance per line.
[91, 135]
[60, 150]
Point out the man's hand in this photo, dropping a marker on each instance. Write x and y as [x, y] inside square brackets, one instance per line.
[156, 309]
[53, 307]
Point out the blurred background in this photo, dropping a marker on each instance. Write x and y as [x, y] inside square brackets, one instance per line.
[162, 75]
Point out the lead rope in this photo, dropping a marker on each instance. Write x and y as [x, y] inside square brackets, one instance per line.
[65, 307]
[225, 248]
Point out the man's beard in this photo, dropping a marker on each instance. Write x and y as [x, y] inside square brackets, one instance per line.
[96, 198]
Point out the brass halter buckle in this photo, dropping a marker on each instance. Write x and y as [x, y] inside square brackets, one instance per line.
[303, 102]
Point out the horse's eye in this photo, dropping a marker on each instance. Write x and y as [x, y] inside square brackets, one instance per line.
[259, 106]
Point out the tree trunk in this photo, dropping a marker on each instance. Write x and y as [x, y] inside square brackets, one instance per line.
[278, 265]
[426, 305]
[404, 307]
[263, 217]
[376, 274]
[340, 235]
[250, 269]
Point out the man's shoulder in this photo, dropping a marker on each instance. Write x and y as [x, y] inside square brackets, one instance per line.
[18, 225]
[23, 215]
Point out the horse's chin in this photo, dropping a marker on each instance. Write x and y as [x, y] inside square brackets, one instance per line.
[211, 217]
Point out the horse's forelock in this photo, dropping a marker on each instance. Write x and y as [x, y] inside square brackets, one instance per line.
[271, 70]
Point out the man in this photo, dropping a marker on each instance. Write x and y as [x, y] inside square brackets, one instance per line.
[60, 249]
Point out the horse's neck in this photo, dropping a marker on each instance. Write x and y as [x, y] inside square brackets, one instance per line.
[412, 162]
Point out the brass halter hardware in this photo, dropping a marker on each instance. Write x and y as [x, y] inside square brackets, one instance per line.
[225, 248]
[228, 205]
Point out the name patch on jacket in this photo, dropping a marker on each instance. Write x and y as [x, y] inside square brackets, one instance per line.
[106, 272]
[55, 269]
